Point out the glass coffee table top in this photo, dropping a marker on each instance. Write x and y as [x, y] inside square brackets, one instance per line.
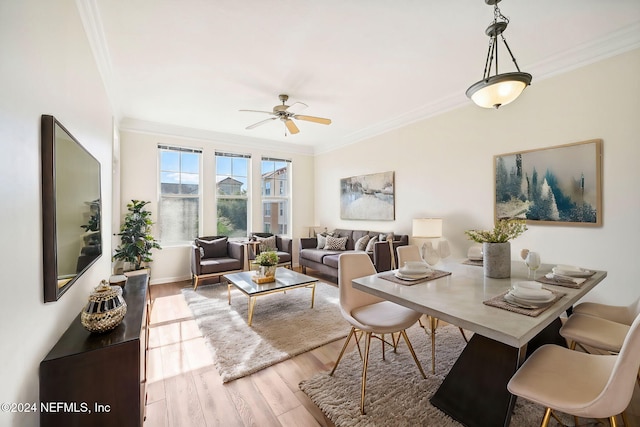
[285, 279]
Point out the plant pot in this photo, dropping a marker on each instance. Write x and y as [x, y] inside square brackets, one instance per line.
[497, 260]
[267, 271]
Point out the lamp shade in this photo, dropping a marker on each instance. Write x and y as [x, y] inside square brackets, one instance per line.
[427, 227]
[498, 90]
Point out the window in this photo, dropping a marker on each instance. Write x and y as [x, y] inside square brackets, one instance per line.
[179, 206]
[275, 195]
[232, 178]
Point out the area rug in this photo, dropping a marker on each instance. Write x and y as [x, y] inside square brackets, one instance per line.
[397, 395]
[283, 325]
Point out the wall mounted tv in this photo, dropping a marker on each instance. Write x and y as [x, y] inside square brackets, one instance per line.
[71, 208]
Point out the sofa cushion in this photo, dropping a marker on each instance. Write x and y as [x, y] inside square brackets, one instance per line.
[331, 260]
[336, 243]
[219, 265]
[361, 243]
[267, 243]
[371, 243]
[322, 240]
[213, 248]
[316, 255]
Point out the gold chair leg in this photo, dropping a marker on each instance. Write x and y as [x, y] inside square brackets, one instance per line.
[413, 353]
[545, 419]
[433, 323]
[555, 417]
[367, 345]
[573, 345]
[576, 421]
[625, 420]
[383, 346]
[344, 347]
[464, 336]
[612, 421]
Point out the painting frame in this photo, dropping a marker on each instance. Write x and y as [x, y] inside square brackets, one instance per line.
[558, 185]
[368, 197]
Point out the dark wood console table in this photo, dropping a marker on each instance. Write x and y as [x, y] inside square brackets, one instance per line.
[99, 379]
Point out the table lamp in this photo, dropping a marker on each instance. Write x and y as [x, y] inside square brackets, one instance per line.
[431, 229]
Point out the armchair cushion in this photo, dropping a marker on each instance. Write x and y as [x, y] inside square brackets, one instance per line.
[216, 248]
[267, 243]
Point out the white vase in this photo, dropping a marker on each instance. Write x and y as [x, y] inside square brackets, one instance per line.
[496, 260]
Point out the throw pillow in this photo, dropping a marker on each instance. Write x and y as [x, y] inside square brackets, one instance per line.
[322, 240]
[214, 248]
[371, 244]
[267, 243]
[336, 243]
[361, 243]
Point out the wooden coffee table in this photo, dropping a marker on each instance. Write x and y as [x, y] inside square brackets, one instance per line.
[285, 279]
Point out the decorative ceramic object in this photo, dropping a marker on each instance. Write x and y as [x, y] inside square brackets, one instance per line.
[268, 271]
[105, 310]
[497, 259]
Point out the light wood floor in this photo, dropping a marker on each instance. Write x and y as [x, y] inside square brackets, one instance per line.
[184, 388]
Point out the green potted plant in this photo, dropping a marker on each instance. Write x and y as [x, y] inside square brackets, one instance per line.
[267, 261]
[496, 246]
[135, 236]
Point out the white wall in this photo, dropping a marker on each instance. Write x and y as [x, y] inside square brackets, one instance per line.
[47, 68]
[139, 177]
[444, 167]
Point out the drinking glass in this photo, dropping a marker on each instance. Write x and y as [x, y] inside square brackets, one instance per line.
[533, 263]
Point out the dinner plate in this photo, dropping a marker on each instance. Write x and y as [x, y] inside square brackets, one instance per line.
[412, 276]
[531, 294]
[529, 301]
[567, 270]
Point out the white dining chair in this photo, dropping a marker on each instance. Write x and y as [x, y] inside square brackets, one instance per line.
[369, 314]
[580, 384]
[615, 313]
[412, 253]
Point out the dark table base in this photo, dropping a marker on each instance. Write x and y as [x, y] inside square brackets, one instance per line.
[475, 391]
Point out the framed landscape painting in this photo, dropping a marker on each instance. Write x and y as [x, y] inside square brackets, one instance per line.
[557, 185]
[370, 197]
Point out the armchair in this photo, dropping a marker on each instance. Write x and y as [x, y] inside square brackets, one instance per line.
[213, 256]
[282, 245]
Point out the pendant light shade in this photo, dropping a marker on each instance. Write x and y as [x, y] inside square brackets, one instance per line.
[499, 89]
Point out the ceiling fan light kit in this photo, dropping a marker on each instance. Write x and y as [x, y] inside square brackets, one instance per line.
[499, 89]
[286, 113]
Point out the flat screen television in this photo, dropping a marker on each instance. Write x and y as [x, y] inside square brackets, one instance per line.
[71, 208]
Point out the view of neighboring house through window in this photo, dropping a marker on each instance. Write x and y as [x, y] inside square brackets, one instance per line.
[232, 181]
[179, 205]
[275, 195]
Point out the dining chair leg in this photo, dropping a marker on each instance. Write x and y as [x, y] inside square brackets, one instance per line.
[367, 345]
[413, 353]
[546, 418]
[463, 335]
[612, 421]
[576, 421]
[383, 347]
[344, 347]
[573, 345]
[433, 324]
[625, 420]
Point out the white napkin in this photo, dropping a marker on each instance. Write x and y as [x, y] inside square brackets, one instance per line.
[563, 278]
[414, 268]
[530, 290]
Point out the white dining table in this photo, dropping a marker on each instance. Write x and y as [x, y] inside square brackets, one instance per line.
[474, 391]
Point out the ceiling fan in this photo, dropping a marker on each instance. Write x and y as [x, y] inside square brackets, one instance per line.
[286, 113]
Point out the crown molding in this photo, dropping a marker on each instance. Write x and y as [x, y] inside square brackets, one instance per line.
[153, 128]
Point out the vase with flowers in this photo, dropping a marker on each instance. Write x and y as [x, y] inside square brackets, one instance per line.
[267, 262]
[496, 246]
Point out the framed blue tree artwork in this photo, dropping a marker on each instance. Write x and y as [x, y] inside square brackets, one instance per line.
[559, 185]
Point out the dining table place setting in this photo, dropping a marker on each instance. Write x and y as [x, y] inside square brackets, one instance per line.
[566, 275]
[412, 273]
[526, 297]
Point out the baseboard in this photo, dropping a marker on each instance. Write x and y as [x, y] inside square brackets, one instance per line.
[164, 280]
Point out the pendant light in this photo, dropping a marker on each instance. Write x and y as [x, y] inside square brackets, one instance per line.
[499, 89]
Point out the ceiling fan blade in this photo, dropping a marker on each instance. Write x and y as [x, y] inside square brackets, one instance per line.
[293, 129]
[257, 111]
[296, 107]
[261, 122]
[320, 120]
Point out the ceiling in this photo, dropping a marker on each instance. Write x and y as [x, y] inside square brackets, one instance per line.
[186, 67]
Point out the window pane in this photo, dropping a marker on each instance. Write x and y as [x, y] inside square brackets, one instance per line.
[179, 219]
[169, 160]
[232, 217]
[275, 216]
[191, 163]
